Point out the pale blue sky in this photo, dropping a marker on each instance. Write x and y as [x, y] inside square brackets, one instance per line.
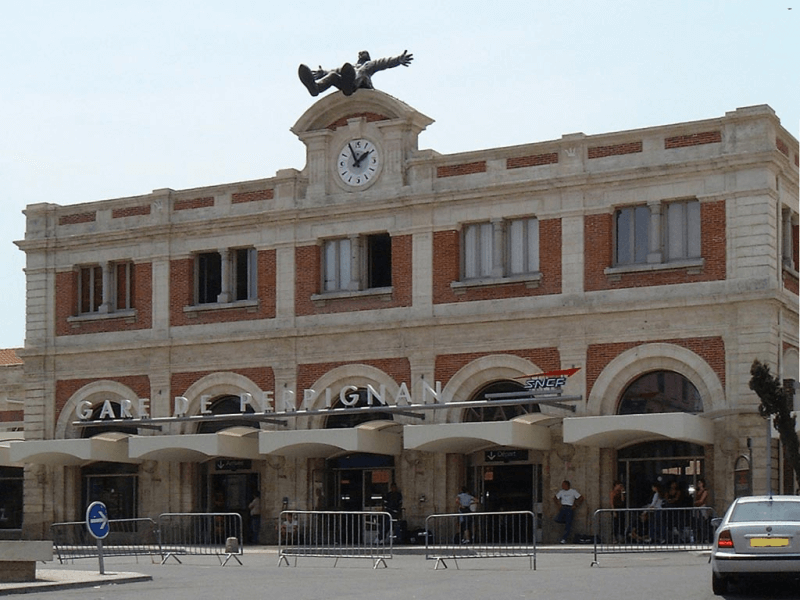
[107, 99]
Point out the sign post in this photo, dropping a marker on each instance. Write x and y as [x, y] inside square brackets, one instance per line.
[97, 524]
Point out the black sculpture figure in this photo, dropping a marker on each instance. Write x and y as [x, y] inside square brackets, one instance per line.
[349, 78]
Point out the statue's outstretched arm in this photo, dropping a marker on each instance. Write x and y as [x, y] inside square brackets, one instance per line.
[380, 64]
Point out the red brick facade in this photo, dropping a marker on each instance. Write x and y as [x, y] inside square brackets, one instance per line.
[462, 169]
[447, 269]
[67, 306]
[598, 356]
[533, 160]
[131, 211]
[370, 117]
[308, 283]
[615, 150]
[182, 295]
[66, 388]
[599, 254]
[399, 369]
[694, 139]
[253, 196]
[86, 217]
[263, 377]
[447, 365]
[193, 203]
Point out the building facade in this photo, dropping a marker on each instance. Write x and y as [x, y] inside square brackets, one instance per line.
[320, 334]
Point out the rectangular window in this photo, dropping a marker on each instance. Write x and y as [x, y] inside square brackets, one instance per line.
[90, 289]
[245, 268]
[351, 264]
[337, 265]
[516, 240]
[124, 285]
[682, 236]
[478, 246]
[379, 260]
[523, 246]
[227, 276]
[209, 277]
[632, 227]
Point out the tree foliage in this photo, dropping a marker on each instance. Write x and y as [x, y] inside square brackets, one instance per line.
[776, 401]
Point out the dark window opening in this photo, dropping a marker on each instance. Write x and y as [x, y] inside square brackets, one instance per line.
[209, 277]
[379, 251]
[660, 392]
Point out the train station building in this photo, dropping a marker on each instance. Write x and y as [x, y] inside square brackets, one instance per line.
[585, 308]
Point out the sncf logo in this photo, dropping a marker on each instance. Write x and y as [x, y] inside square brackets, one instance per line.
[550, 380]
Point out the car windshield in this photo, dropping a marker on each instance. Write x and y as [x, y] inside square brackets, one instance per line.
[766, 511]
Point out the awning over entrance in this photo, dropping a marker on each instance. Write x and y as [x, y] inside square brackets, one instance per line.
[376, 437]
[236, 442]
[619, 430]
[5, 456]
[527, 431]
[106, 447]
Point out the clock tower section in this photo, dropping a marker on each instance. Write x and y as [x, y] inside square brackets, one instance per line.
[358, 145]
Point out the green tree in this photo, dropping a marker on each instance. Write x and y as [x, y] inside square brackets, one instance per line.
[777, 401]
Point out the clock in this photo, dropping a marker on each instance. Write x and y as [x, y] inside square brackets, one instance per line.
[358, 162]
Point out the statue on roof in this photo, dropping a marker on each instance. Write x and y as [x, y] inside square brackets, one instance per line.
[348, 78]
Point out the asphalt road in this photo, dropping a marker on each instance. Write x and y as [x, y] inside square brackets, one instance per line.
[558, 576]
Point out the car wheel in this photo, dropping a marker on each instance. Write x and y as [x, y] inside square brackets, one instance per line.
[719, 584]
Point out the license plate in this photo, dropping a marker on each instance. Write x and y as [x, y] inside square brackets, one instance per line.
[768, 542]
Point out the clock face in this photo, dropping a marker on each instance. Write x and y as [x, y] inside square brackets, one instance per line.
[358, 162]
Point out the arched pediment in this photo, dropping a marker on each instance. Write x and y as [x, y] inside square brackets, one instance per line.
[335, 109]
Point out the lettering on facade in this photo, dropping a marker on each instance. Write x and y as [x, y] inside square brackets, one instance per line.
[266, 403]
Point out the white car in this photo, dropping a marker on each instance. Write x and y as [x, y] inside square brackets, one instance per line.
[759, 535]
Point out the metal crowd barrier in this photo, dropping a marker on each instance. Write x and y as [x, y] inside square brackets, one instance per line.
[652, 530]
[335, 534]
[200, 534]
[459, 536]
[126, 537]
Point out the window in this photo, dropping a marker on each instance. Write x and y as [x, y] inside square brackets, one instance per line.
[633, 226]
[478, 254]
[660, 392]
[789, 238]
[501, 249]
[106, 288]
[357, 263]
[226, 276]
[90, 289]
[123, 297]
[523, 246]
[657, 233]
[682, 239]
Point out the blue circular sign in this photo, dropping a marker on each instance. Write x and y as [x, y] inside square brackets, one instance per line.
[97, 520]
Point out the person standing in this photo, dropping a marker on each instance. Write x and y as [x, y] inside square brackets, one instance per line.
[617, 497]
[255, 517]
[464, 502]
[568, 500]
[701, 517]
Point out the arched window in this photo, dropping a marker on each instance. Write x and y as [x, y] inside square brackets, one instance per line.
[226, 405]
[660, 392]
[498, 413]
[352, 419]
[115, 427]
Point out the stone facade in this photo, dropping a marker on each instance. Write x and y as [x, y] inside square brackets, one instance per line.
[706, 315]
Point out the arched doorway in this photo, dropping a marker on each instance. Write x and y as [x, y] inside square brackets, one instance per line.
[358, 481]
[504, 479]
[664, 461]
[229, 484]
[113, 484]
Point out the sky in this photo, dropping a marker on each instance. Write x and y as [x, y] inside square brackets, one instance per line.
[106, 100]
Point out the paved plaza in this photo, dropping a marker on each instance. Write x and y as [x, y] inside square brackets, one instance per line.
[565, 573]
